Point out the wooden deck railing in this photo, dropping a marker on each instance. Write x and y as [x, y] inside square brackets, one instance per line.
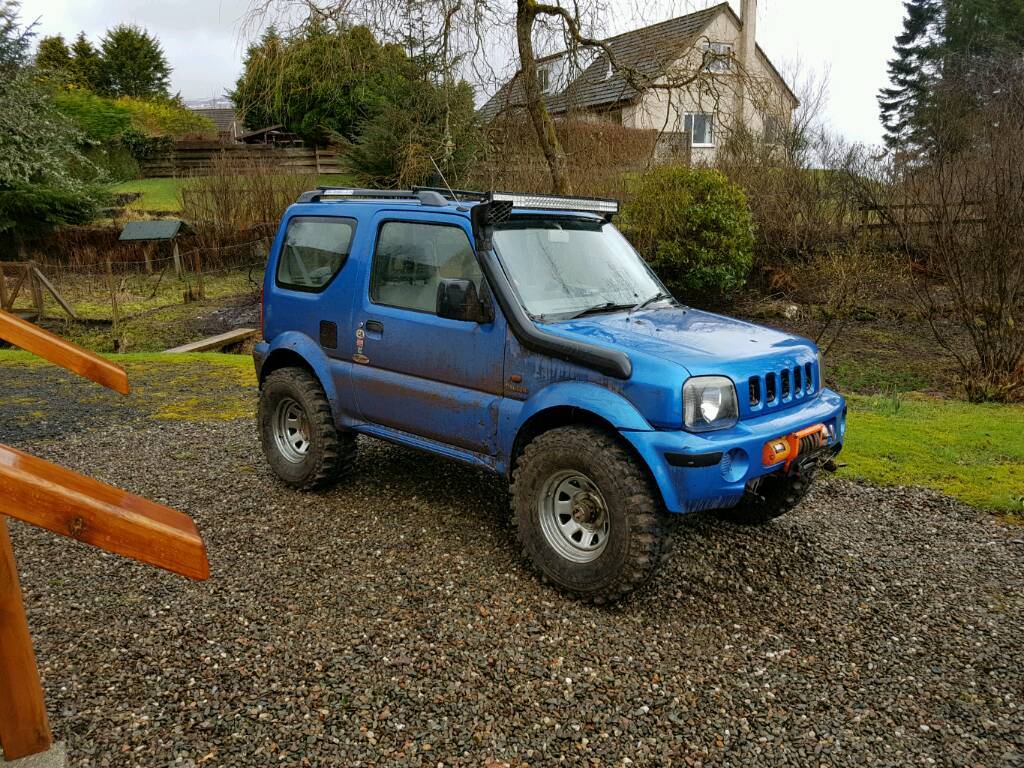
[69, 504]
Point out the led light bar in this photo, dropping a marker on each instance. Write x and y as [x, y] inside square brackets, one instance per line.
[600, 205]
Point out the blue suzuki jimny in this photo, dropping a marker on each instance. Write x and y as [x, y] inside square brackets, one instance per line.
[523, 334]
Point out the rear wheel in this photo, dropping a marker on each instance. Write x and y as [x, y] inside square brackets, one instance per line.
[300, 440]
[770, 497]
[585, 513]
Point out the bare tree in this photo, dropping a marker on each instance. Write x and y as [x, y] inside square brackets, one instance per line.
[461, 34]
[959, 216]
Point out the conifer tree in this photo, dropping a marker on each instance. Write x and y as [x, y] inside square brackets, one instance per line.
[913, 73]
[86, 64]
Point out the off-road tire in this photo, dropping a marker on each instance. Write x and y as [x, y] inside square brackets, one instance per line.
[776, 495]
[636, 536]
[331, 452]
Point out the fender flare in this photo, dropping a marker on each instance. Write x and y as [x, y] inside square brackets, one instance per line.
[300, 344]
[595, 400]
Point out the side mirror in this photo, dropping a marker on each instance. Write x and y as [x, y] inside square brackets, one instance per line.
[457, 299]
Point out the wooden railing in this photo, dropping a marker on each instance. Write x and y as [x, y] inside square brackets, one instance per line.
[68, 504]
[191, 158]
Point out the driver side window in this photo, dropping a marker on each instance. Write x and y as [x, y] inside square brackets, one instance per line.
[411, 258]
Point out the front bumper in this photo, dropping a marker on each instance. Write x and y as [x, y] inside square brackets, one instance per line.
[711, 470]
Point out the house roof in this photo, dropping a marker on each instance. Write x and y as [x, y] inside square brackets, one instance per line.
[155, 229]
[222, 117]
[650, 51]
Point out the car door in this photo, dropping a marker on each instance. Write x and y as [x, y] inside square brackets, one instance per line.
[311, 290]
[414, 371]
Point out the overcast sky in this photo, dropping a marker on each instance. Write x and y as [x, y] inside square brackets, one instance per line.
[204, 42]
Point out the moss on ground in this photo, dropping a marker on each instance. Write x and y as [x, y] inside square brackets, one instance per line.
[195, 387]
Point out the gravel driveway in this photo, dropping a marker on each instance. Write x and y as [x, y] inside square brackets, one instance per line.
[388, 622]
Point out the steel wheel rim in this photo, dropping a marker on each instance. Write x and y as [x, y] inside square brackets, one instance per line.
[573, 516]
[291, 430]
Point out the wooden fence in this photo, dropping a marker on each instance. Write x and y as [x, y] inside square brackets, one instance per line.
[189, 158]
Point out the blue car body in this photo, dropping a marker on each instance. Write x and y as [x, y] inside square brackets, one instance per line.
[473, 392]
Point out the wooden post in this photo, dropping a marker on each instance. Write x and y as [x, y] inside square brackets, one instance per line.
[24, 728]
[176, 255]
[116, 315]
[18, 282]
[3, 288]
[37, 290]
[45, 282]
[147, 254]
[199, 275]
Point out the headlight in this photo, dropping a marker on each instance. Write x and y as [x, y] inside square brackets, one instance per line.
[709, 402]
[821, 371]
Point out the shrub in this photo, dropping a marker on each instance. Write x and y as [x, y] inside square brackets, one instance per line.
[165, 118]
[142, 147]
[963, 212]
[400, 146]
[116, 162]
[694, 228]
[603, 157]
[98, 118]
[32, 209]
[238, 196]
[800, 210]
[104, 119]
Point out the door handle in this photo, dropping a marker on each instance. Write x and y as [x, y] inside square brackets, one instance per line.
[375, 326]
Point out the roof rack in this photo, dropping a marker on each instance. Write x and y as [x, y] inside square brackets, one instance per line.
[425, 196]
[439, 196]
[458, 195]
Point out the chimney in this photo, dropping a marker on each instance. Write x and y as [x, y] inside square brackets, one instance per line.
[748, 16]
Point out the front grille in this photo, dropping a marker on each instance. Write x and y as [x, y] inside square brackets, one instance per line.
[777, 388]
[755, 390]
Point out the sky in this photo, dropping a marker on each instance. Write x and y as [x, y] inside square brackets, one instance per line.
[204, 41]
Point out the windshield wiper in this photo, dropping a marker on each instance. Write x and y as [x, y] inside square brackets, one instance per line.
[605, 307]
[649, 300]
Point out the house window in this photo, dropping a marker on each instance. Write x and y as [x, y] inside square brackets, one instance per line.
[718, 57]
[774, 129]
[700, 126]
[544, 79]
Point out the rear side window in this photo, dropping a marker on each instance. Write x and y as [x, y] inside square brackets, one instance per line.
[411, 258]
[314, 251]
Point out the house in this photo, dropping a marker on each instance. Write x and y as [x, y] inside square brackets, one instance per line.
[225, 120]
[736, 84]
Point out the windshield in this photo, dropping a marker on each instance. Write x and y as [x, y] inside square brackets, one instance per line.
[567, 266]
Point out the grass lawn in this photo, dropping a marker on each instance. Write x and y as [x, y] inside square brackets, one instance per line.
[165, 194]
[157, 194]
[154, 315]
[970, 451]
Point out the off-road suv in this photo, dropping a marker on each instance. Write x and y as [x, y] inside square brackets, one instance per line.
[523, 334]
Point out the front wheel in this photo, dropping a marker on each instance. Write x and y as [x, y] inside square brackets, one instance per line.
[585, 513]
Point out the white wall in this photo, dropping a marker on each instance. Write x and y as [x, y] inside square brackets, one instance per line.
[716, 93]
